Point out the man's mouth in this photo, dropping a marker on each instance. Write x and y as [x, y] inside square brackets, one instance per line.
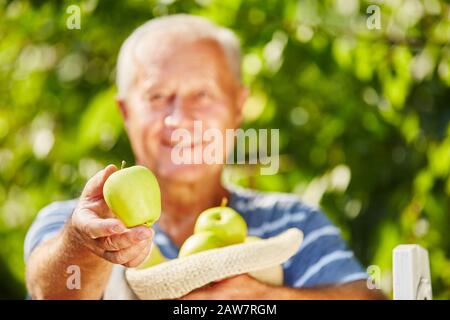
[182, 143]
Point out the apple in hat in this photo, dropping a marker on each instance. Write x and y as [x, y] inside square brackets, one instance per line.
[224, 222]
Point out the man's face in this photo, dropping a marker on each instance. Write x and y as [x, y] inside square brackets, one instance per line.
[177, 85]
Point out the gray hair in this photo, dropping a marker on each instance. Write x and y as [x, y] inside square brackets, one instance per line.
[191, 28]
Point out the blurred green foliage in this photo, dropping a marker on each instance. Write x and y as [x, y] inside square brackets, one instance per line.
[364, 114]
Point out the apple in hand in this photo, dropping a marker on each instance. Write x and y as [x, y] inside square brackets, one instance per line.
[155, 257]
[133, 195]
[200, 242]
[223, 221]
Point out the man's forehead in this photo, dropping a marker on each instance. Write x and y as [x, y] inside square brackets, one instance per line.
[160, 50]
[205, 56]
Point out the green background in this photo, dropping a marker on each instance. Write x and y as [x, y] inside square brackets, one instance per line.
[363, 113]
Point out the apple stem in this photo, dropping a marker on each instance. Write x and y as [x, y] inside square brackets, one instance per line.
[148, 224]
[224, 202]
[123, 164]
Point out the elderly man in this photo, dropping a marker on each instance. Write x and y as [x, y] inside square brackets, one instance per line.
[173, 71]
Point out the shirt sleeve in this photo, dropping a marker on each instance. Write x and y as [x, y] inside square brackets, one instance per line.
[323, 257]
[48, 222]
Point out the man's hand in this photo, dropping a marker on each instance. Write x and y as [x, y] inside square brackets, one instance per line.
[241, 287]
[91, 239]
[244, 287]
[93, 226]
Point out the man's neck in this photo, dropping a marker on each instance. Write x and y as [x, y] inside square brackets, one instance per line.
[183, 202]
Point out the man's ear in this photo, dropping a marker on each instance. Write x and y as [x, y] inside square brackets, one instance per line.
[240, 102]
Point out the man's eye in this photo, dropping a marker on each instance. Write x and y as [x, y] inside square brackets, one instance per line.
[203, 95]
[157, 97]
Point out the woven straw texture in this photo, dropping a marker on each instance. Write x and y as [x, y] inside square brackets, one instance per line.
[176, 278]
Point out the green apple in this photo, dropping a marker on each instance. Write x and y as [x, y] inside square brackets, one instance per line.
[223, 221]
[133, 195]
[271, 275]
[251, 239]
[200, 242]
[155, 257]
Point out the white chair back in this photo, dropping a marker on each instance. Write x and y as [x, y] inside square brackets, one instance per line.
[411, 273]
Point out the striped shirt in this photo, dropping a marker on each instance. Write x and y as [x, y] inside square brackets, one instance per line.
[323, 257]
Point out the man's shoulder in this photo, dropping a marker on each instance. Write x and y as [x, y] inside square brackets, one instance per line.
[268, 213]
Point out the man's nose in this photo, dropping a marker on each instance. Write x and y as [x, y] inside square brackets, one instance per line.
[177, 115]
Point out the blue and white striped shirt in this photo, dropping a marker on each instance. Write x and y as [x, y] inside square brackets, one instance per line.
[323, 257]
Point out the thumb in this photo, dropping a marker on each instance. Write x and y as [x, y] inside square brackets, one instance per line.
[94, 186]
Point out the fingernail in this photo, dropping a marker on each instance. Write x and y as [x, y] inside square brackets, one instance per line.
[143, 235]
[118, 229]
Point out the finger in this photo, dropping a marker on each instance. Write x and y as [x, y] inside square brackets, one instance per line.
[197, 294]
[140, 258]
[125, 255]
[240, 278]
[98, 206]
[95, 227]
[226, 279]
[94, 187]
[126, 239]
